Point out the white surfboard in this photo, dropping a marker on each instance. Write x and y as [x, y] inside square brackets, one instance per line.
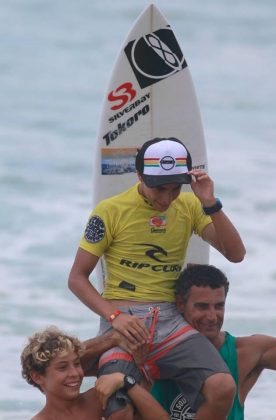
[150, 94]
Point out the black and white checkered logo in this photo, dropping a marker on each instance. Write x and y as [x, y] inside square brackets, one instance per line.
[95, 230]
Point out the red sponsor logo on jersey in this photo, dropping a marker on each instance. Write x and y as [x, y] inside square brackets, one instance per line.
[122, 95]
[158, 221]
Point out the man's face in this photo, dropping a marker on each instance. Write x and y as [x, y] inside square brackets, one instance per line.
[204, 310]
[161, 197]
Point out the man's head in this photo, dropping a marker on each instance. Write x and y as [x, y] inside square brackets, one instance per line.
[162, 161]
[201, 293]
[42, 348]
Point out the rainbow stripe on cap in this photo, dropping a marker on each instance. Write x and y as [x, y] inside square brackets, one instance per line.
[155, 162]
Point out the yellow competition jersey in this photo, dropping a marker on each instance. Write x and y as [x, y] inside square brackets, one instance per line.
[144, 249]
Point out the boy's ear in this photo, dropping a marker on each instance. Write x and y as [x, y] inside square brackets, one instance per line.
[37, 377]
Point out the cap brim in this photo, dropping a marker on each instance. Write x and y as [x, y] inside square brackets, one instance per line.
[152, 181]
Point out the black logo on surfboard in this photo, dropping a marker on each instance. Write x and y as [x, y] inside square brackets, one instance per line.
[155, 56]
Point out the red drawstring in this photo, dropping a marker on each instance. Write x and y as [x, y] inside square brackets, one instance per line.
[155, 315]
[154, 312]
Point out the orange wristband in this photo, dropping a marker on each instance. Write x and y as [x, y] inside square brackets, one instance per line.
[114, 315]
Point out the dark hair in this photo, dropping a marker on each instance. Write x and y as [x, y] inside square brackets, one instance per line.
[200, 275]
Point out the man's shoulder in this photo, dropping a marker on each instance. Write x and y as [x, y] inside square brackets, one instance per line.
[253, 347]
[245, 341]
[253, 340]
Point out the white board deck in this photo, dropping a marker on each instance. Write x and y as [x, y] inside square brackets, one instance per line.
[150, 94]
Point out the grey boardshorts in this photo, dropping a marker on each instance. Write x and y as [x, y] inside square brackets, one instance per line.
[177, 351]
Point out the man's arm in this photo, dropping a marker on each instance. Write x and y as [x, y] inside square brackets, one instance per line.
[221, 233]
[148, 408]
[94, 347]
[255, 353]
[268, 358]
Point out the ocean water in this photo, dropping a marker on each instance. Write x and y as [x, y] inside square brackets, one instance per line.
[55, 61]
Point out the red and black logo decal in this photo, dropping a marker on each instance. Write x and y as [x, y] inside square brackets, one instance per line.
[122, 95]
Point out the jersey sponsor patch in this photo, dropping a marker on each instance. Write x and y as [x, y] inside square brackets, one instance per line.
[157, 221]
[95, 230]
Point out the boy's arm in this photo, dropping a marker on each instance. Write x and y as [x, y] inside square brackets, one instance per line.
[128, 325]
[221, 233]
[148, 408]
[223, 236]
[80, 285]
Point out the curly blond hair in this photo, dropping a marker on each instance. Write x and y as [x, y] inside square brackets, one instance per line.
[42, 348]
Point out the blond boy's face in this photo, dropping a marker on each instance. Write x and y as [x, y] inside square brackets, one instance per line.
[63, 376]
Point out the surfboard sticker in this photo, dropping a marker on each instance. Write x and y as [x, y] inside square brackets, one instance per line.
[155, 56]
[118, 161]
[150, 94]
